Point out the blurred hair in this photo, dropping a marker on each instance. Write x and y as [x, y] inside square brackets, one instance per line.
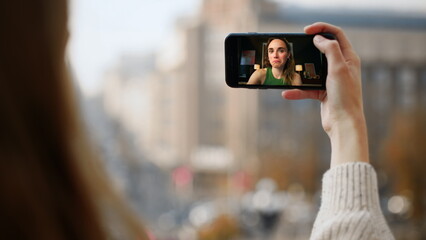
[288, 71]
[51, 184]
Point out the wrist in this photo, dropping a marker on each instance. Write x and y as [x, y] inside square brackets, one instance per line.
[349, 141]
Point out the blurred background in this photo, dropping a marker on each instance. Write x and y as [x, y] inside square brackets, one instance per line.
[198, 160]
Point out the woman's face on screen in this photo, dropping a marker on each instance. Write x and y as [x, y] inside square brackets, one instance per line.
[277, 53]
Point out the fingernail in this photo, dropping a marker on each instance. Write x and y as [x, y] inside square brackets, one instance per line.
[318, 38]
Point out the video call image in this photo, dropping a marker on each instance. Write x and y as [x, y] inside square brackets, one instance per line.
[278, 61]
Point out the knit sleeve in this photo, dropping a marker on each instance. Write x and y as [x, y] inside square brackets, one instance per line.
[350, 205]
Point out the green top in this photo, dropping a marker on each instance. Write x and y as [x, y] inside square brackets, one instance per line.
[271, 80]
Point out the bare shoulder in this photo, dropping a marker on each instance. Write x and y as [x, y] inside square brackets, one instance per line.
[258, 77]
[297, 80]
[260, 72]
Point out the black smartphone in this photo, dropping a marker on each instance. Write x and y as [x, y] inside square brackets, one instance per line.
[274, 60]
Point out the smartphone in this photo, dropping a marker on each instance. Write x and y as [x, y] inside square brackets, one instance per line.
[274, 60]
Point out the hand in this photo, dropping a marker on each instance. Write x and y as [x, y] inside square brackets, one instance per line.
[342, 113]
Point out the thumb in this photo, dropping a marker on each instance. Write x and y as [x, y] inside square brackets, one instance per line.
[331, 49]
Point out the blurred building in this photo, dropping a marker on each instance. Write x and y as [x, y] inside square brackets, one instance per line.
[146, 186]
[260, 125]
[215, 141]
[183, 114]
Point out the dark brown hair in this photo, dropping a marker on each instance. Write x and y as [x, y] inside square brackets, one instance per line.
[288, 71]
[51, 185]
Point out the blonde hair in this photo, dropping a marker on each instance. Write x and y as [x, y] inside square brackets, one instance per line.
[52, 185]
[288, 71]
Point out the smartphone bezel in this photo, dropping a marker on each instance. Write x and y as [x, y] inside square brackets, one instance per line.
[232, 60]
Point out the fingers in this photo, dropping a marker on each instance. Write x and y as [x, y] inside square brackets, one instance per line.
[344, 43]
[297, 94]
[331, 49]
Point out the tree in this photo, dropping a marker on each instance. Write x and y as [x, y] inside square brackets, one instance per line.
[405, 158]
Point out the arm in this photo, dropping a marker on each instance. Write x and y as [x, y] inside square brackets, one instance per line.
[297, 80]
[258, 77]
[342, 113]
[350, 204]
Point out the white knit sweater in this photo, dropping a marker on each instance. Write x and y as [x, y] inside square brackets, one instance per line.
[350, 205]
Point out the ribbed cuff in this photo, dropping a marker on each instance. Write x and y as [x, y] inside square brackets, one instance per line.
[350, 205]
[350, 186]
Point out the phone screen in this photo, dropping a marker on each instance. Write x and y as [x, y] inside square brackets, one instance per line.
[274, 60]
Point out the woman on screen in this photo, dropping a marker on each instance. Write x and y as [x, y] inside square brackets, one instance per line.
[279, 66]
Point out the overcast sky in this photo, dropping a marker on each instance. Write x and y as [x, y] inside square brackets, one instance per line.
[103, 30]
[417, 6]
